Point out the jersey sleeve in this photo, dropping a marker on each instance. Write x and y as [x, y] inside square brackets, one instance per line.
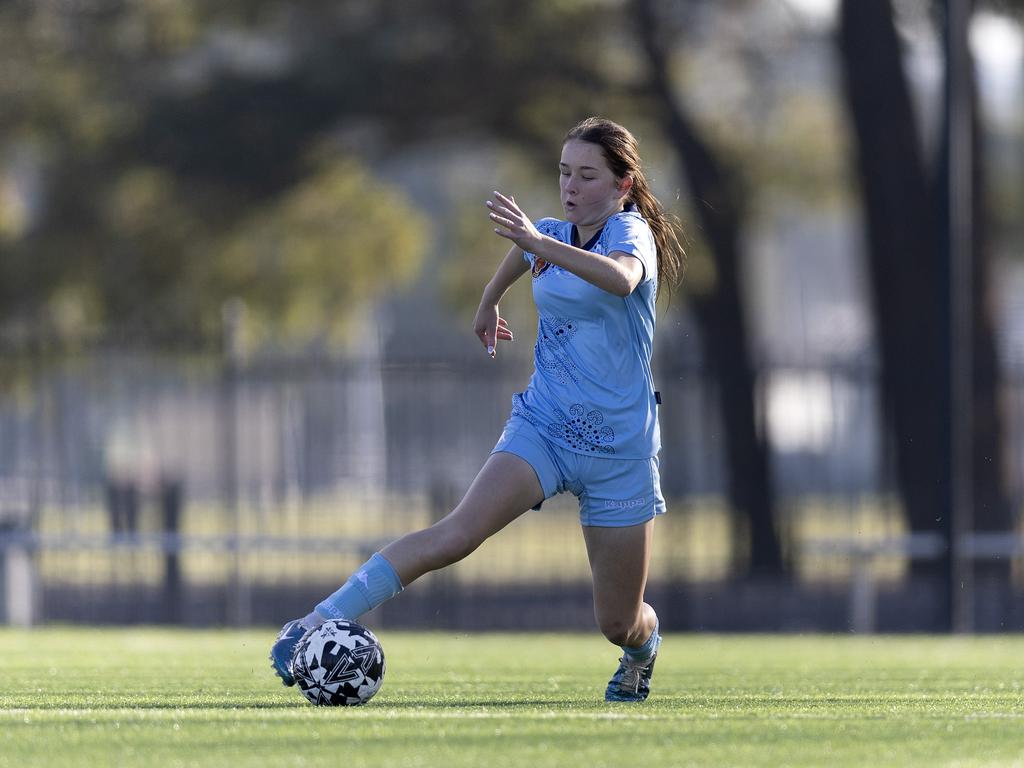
[630, 234]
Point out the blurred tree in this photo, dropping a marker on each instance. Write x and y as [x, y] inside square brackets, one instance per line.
[164, 181]
[154, 129]
[990, 482]
[286, 257]
[719, 202]
[903, 223]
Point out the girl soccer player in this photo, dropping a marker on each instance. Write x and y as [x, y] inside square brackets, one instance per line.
[587, 422]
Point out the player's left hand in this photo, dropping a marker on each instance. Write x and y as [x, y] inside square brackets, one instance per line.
[512, 223]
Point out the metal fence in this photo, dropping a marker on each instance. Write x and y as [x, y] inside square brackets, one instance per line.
[195, 488]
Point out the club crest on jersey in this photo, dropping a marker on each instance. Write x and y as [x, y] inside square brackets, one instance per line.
[539, 265]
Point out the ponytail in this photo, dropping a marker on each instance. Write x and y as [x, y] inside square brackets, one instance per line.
[665, 227]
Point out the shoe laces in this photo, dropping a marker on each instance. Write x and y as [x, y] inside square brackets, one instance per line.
[630, 673]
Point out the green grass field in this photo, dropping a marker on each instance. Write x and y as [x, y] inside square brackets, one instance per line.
[163, 698]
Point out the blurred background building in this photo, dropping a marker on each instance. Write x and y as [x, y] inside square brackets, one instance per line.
[241, 247]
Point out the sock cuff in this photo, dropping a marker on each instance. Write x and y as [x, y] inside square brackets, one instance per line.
[646, 650]
[376, 580]
[373, 582]
[394, 584]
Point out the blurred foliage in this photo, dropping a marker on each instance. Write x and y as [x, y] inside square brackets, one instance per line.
[285, 257]
[155, 156]
[158, 157]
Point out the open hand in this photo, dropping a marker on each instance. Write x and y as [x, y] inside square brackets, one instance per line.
[512, 223]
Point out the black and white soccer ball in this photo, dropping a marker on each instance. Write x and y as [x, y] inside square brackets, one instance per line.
[339, 664]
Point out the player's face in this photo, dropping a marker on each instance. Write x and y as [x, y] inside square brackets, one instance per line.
[590, 191]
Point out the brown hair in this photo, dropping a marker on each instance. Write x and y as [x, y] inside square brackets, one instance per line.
[621, 152]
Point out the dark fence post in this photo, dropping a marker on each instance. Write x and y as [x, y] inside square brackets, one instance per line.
[171, 499]
[122, 504]
[239, 597]
[956, 250]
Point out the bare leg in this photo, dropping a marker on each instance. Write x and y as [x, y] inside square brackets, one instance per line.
[505, 488]
[619, 559]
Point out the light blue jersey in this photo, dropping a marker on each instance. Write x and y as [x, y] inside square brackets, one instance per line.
[592, 391]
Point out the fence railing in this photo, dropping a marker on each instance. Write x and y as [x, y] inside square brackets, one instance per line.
[283, 457]
[20, 600]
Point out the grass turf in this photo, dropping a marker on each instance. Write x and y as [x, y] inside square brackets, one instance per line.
[80, 697]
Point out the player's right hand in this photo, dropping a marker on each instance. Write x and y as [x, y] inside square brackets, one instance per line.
[489, 326]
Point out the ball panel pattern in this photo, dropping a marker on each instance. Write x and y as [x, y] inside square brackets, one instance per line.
[339, 664]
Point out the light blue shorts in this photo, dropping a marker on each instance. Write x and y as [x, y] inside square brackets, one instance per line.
[613, 493]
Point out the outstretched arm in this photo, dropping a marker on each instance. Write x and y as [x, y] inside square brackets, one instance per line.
[489, 325]
[618, 273]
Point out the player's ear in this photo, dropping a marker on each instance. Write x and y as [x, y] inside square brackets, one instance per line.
[625, 184]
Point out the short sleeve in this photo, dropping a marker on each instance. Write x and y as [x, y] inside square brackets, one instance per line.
[630, 234]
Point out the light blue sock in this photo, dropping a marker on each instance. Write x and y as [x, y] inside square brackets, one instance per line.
[374, 582]
[647, 650]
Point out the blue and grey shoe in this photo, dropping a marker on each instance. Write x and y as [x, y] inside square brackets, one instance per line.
[283, 650]
[632, 680]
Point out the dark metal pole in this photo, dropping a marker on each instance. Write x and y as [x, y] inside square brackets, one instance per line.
[239, 597]
[957, 204]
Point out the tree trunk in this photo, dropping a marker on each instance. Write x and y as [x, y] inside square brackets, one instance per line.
[910, 293]
[717, 200]
[991, 504]
[902, 256]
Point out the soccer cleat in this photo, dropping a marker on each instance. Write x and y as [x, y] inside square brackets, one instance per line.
[283, 650]
[632, 680]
